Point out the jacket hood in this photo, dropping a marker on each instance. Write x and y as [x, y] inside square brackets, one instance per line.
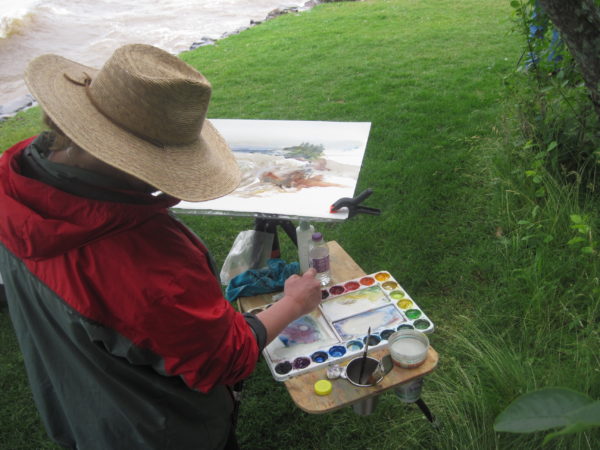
[38, 221]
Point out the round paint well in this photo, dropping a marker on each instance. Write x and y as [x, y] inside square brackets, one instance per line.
[397, 295]
[389, 285]
[336, 290]
[382, 276]
[319, 357]
[367, 281]
[405, 303]
[405, 326]
[354, 345]
[337, 351]
[373, 339]
[301, 362]
[324, 294]
[422, 324]
[351, 286]
[413, 314]
[283, 367]
[385, 334]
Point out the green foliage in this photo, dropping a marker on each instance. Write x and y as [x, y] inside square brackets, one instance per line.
[549, 408]
[585, 243]
[457, 170]
[557, 118]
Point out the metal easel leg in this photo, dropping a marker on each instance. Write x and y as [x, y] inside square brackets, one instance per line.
[270, 226]
[427, 412]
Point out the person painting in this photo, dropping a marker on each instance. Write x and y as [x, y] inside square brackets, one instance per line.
[127, 339]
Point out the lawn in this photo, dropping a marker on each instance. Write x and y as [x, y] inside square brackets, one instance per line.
[512, 314]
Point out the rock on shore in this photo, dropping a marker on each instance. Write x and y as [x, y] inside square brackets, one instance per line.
[204, 41]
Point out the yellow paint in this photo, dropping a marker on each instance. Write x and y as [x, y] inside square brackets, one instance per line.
[389, 285]
[405, 303]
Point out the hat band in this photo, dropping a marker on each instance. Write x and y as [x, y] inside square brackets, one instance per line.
[86, 83]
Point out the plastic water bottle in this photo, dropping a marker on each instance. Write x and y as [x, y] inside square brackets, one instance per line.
[319, 258]
[304, 234]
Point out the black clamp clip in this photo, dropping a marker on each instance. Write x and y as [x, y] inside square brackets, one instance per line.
[353, 205]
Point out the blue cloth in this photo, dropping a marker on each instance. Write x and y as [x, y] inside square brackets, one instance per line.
[261, 281]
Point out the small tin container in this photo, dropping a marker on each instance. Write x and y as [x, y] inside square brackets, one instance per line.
[408, 348]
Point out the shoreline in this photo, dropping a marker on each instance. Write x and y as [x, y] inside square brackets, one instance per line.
[27, 101]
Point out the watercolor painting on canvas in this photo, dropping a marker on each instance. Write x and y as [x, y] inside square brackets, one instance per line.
[291, 169]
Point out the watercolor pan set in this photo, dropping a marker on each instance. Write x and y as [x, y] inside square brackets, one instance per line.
[337, 330]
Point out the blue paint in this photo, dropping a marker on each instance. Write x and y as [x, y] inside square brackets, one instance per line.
[337, 351]
[319, 356]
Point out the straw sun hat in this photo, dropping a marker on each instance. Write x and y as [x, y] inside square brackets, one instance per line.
[144, 113]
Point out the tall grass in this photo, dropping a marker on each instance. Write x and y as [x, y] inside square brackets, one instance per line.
[465, 227]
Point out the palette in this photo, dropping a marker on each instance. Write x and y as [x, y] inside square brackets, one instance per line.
[336, 331]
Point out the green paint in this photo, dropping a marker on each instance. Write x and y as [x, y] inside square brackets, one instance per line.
[422, 324]
[397, 295]
[413, 314]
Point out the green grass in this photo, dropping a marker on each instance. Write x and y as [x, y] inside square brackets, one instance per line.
[512, 314]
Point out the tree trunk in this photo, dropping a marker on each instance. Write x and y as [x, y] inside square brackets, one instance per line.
[579, 24]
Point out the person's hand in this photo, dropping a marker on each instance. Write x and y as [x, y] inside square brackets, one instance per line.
[301, 294]
[304, 291]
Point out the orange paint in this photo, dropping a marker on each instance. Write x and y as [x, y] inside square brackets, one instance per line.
[382, 276]
[367, 281]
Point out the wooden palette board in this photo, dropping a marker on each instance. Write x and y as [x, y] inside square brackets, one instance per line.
[343, 394]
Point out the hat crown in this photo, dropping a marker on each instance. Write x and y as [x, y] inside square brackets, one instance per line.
[152, 94]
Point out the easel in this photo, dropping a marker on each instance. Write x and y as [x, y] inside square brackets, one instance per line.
[270, 224]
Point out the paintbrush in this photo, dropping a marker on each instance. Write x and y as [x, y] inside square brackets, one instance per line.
[364, 358]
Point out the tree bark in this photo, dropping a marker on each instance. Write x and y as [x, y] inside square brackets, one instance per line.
[579, 24]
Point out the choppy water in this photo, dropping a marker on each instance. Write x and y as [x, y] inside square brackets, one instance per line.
[88, 31]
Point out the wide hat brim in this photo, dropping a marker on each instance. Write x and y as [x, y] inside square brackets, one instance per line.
[203, 170]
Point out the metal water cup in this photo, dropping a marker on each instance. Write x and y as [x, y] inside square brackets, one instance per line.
[366, 406]
[372, 374]
[410, 392]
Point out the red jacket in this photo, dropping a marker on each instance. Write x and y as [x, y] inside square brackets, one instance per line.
[131, 269]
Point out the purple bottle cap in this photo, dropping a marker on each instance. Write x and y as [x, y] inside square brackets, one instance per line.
[317, 236]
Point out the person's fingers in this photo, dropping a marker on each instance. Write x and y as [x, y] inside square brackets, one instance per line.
[310, 272]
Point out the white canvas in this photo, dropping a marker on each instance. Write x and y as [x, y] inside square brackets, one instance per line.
[291, 169]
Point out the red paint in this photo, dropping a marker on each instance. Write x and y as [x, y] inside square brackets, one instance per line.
[336, 290]
[351, 285]
[367, 281]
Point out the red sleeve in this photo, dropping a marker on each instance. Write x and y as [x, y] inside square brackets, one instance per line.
[197, 332]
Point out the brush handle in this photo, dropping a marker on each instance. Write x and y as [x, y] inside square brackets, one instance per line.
[364, 358]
